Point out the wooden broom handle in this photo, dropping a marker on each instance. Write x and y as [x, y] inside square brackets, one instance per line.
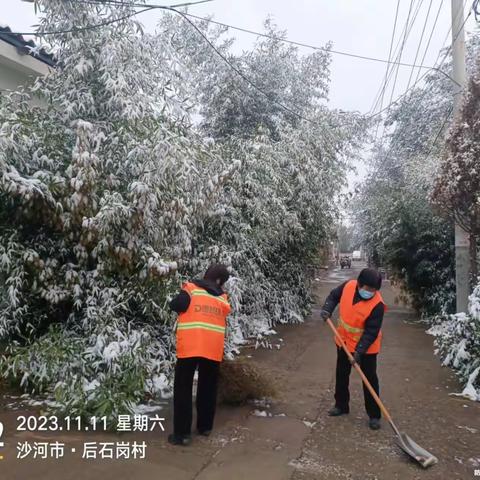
[362, 375]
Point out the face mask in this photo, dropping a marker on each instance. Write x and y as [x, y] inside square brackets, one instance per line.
[365, 294]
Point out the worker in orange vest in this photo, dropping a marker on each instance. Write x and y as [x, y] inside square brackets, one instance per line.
[202, 308]
[360, 320]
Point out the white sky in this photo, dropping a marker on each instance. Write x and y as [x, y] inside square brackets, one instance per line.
[358, 26]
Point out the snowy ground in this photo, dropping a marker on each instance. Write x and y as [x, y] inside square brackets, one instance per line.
[291, 437]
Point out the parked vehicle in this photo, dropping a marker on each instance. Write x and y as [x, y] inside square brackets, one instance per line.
[345, 262]
[357, 255]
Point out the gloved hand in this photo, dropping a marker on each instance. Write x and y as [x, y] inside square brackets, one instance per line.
[324, 314]
[357, 357]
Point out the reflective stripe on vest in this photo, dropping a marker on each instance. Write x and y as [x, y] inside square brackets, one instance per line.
[206, 326]
[201, 329]
[356, 332]
[352, 318]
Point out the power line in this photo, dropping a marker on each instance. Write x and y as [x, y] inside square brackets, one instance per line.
[185, 14]
[306, 45]
[407, 31]
[264, 35]
[188, 4]
[419, 103]
[240, 29]
[220, 54]
[259, 34]
[246, 79]
[435, 68]
[402, 47]
[82, 29]
[437, 136]
[384, 85]
[430, 37]
[403, 95]
[237, 70]
[420, 42]
[144, 8]
[389, 57]
[472, 9]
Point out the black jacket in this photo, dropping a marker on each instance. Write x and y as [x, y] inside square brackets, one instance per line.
[181, 302]
[373, 323]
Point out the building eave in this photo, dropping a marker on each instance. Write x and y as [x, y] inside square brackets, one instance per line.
[24, 47]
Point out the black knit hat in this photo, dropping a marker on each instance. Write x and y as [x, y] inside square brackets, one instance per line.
[217, 271]
[370, 278]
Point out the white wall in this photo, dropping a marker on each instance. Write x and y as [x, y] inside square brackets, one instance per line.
[17, 69]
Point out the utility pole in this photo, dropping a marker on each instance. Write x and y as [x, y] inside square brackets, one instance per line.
[459, 74]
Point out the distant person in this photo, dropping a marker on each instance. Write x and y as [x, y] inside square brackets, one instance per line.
[203, 308]
[360, 321]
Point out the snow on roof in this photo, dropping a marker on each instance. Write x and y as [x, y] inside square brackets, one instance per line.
[26, 47]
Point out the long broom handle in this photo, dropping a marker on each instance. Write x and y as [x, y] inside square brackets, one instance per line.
[363, 377]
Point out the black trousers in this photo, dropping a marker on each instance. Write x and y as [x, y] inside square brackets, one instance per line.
[342, 394]
[206, 394]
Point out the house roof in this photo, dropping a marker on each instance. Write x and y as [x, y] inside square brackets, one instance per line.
[25, 47]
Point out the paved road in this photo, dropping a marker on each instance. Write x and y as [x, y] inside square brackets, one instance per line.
[298, 441]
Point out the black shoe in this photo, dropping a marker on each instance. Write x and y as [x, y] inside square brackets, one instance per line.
[183, 440]
[204, 433]
[374, 423]
[336, 412]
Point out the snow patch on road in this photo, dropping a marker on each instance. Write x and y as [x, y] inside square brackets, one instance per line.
[469, 429]
[470, 391]
[261, 413]
[310, 463]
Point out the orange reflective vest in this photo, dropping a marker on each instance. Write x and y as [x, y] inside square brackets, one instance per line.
[351, 322]
[201, 329]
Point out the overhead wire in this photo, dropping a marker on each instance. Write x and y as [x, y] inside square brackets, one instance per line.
[419, 102]
[217, 51]
[407, 30]
[451, 109]
[144, 8]
[436, 67]
[403, 46]
[306, 45]
[284, 107]
[437, 136]
[384, 85]
[81, 29]
[281, 39]
[209, 20]
[420, 42]
[400, 97]
[148, 7]
[389, 58]
[253, 85]
[430, 37]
